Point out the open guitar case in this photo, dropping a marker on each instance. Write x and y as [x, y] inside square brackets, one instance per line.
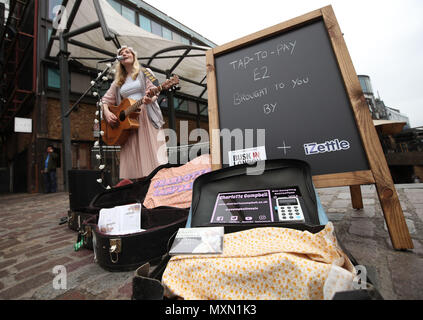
[83, 188]
[277, 174]
[127, 252]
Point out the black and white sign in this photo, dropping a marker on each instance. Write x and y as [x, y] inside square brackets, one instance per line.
[290, 85]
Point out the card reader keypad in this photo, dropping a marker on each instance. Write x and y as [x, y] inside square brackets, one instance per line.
[289, 210]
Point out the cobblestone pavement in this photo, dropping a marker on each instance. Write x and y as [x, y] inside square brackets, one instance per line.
[32, 243]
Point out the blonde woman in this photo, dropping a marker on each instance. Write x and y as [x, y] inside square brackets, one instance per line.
[145, 148]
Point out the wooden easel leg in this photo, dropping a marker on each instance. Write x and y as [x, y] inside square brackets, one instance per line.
[387, 194]
[356, 197]
[394, 217]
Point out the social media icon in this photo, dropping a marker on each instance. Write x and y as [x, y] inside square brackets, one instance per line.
[234, 218]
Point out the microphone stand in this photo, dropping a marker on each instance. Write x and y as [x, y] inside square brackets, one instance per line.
[93, 84]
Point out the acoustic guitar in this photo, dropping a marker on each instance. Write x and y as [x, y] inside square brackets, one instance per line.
[117, 134]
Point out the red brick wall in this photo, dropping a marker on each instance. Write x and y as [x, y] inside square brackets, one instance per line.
[81, 120]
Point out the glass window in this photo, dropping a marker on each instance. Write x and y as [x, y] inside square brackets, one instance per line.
[176, 37]
[53, 77]
[167, 34]
[162, 100]
[116, 5]
[145, 23]
[184, 40]
[79, 82]
[128, 13]
[204, 111]
[175, 103]
[180, 105]
[192, 107]
[364, 86]
[156, 28]
[51, 5]
[184, 106]
[369, 86]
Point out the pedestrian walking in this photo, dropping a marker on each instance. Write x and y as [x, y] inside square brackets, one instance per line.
[49, 171]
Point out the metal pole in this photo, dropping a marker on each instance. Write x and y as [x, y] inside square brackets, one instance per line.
[198, 116]
[171, 106]
[81, 30]
[64, 103]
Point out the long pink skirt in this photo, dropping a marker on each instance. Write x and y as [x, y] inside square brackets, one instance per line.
[144, 150]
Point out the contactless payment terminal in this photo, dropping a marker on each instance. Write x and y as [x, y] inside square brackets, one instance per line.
[259, 206]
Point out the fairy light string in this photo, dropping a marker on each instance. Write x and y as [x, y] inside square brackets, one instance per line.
[98, 144]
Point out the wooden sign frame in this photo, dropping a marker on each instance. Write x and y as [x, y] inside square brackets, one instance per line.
[378, 174]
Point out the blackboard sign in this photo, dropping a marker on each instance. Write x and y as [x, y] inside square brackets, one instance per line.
[291, 91]
[290, 86]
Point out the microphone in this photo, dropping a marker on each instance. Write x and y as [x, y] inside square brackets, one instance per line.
[118, 58]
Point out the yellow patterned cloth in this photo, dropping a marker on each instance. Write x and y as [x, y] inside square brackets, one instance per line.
[263, 263]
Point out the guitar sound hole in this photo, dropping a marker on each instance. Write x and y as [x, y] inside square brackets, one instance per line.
[122, 116]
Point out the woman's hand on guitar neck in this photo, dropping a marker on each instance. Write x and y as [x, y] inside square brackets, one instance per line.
[110, 118]
[147, 99]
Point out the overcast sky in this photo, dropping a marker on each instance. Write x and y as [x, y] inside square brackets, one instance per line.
[384, 37]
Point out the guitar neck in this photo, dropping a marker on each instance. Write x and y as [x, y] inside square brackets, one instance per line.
[137, 104]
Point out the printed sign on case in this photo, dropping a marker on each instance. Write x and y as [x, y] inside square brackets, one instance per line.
[247, 155]
[255, 206]
[243, 207]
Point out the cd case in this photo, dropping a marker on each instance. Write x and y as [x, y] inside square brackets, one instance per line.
[208, 240]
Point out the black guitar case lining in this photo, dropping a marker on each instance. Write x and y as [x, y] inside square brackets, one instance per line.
[133, 250]
[130, 193]
[125, 194]
[127, 252]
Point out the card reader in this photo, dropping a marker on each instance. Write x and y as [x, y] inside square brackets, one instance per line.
[289, 210]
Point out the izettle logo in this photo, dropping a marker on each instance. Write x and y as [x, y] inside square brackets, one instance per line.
[328, 146]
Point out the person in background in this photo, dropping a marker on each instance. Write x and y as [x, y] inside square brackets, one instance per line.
[145, 148]
[49, 171]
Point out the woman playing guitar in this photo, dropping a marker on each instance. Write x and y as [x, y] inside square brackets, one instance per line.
[145, 148]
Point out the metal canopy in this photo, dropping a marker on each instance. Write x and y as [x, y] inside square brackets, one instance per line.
[94, 31]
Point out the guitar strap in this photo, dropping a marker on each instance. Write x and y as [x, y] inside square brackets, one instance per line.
[152, 78]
